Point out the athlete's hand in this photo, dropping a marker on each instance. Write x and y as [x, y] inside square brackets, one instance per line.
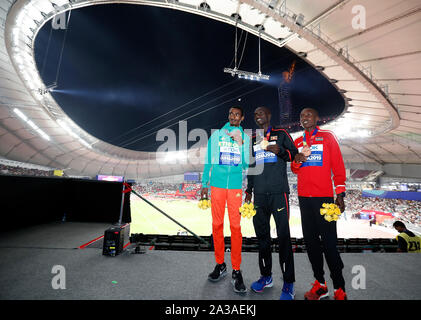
[340, 202]
[248, 197]
[300, 157]
[204, 193]
[274, 148]
[236, 136]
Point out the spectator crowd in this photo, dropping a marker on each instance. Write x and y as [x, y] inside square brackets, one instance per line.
[156, 188]
[21, 171]
[167, 190]
[406, 210]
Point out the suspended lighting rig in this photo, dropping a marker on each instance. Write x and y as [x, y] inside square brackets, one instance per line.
[241, 73]
[246, 74]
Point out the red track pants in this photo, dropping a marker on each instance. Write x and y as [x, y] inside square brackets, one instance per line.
[233, 199]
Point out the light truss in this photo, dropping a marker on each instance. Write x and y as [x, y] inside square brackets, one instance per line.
[246, 74]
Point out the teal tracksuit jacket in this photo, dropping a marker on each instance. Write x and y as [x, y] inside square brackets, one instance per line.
[226, 161]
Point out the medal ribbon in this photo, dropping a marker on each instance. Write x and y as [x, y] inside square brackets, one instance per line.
[311, 138]
[268, 133]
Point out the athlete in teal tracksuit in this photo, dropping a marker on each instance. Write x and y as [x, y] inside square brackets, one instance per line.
[226, 159]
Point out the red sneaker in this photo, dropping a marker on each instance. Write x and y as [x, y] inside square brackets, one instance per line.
[317, 292]
[340, 294]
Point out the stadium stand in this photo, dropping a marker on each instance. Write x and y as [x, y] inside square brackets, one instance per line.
[405, 210]
[9, 167]
[21, 171]
[169, 190]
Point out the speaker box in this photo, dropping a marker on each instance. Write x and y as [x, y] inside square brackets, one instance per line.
[115, 239]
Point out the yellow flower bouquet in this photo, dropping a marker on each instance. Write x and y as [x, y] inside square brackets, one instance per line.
[330, 211]
[204, 204]
[247, 210]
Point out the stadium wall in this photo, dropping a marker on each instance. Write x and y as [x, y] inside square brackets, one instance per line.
[35, 200]
[404, 195]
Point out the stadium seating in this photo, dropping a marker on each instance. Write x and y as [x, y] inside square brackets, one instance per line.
[341, 245]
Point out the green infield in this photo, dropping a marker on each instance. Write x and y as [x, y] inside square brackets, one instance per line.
[147, 220]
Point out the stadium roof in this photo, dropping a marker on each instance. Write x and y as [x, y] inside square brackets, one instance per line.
[369, 51]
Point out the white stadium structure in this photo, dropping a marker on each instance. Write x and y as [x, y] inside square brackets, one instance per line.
[53, 236]
[369, 50]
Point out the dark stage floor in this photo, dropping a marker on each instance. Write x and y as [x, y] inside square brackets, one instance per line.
[28, 257]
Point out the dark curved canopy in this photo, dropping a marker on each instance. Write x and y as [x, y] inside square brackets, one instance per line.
[128, 71]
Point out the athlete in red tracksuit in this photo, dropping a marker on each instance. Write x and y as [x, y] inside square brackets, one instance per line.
[314, 184]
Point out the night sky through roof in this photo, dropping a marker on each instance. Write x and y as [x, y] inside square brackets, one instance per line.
[129, 70]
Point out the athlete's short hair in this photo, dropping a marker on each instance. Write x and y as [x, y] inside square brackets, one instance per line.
[312, 109]
[239, 108]
[266, 109]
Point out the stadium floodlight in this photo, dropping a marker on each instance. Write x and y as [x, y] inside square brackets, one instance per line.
[344, 129]
[20, 114]
[44, 135]
[52, 87]
[85, 143]
[363, 133]
[31, 124]
[67, 128]
[64, 125]
[47, 89]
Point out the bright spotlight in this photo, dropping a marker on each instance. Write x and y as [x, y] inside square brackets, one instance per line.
[31, 124]
[363, 133]
[45, 90]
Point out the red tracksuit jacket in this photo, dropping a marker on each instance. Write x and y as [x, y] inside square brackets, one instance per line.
[314, 177]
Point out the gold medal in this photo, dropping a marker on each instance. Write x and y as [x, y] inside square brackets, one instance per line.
[306, 151]
[264, 144]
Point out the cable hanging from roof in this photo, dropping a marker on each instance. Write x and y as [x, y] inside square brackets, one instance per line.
[201, 112]
[211, 126]
[62, 47]
[239, 41]
[46, 53]
[173, 110]
[246, 74]
[54, 85]
[200, 106]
